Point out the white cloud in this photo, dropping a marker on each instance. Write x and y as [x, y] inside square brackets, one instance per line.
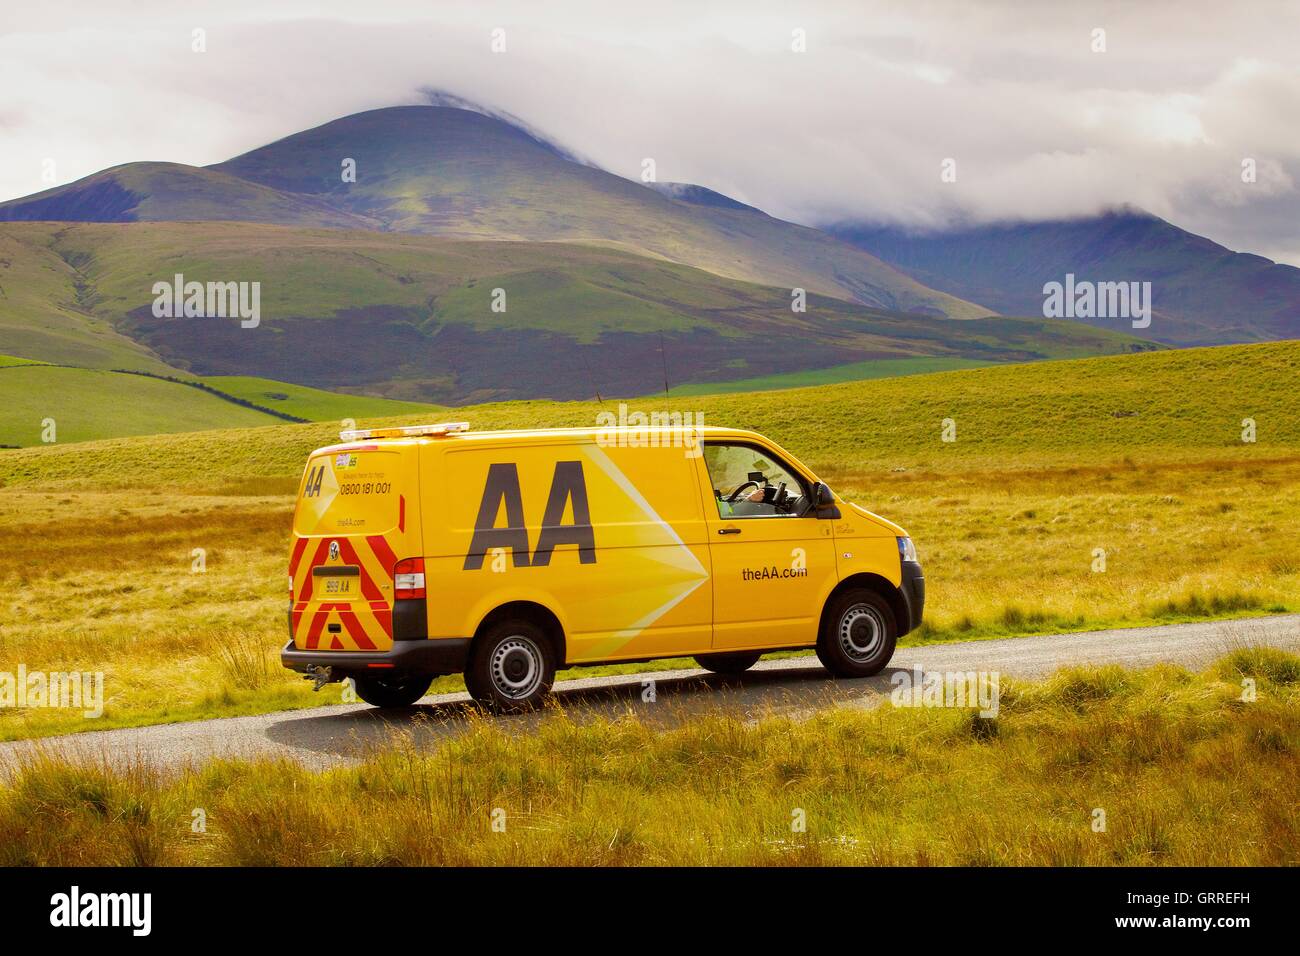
[856, 127]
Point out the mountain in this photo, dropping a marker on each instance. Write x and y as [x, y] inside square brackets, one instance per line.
[387, 286]
[1201, 292]
[457, 173]
[411, 317]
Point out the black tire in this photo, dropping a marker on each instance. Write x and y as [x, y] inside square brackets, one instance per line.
[470, 687]
[512, 667]
[858, 634]
[392, 690]
[733, 663]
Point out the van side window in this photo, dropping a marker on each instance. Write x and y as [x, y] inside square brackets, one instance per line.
[749, 483]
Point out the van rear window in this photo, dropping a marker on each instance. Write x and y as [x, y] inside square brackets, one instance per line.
[353, 492]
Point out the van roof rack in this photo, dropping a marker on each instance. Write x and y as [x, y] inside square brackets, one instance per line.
[405, 431]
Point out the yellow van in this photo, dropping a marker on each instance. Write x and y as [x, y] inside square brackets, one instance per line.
[505, 555]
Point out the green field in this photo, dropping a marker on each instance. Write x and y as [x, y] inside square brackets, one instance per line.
[1139, 455]
[314, 404]
[852, 372]
[1046, 339]
[9, 360]
[1067, 413]
[88, 404]
[93, 404]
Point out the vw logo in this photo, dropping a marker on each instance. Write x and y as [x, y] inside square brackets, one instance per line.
[334, 550]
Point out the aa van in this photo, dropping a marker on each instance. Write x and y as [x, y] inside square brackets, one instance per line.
[506, 555]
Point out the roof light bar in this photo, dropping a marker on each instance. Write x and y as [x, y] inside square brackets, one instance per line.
[407, 431]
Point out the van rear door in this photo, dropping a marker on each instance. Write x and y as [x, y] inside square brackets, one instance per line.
[355, 518]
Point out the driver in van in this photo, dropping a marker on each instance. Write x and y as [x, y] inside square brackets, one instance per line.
[727, 507]
[745, 486]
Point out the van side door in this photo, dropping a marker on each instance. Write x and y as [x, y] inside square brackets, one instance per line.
[773, 559]
[610, 539]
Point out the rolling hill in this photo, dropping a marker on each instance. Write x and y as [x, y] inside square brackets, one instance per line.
[91, 404]
[160, 192]
[1074, 413]
[457, 173]
[411, 317]
[45, 311]
[88, 404]
[1202, 293]
[313, 404]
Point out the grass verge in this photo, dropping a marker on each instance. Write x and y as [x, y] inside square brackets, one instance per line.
[1094, 766]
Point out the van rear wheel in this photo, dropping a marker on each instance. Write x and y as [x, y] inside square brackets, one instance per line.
[728, 663]
[512, 667]
[858, 634]
[395, 690]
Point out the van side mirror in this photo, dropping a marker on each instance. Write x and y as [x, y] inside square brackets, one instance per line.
[823, 501]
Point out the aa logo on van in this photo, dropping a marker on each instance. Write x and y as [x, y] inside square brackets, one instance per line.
[568, 489]
[314, 478]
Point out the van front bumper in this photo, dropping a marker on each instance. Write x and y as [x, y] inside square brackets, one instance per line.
[440, 656]
[913, 590]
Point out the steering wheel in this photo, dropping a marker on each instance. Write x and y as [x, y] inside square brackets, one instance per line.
[736, 494]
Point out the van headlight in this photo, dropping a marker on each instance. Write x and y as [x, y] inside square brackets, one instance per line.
[906, 549]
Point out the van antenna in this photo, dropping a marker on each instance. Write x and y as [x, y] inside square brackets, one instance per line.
[590, 378]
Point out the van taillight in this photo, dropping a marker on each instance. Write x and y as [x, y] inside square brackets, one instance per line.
[408, 578]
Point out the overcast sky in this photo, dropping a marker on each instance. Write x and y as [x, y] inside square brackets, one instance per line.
[856, 127]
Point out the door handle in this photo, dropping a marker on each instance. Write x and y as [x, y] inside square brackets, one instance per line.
[728, 531]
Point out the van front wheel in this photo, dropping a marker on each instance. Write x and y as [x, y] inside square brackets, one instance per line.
[858, 634]
[512, 668]
[397, 690]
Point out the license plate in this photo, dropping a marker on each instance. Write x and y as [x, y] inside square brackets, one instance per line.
[337, 584]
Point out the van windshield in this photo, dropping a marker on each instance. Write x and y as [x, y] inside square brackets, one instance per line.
[351, 492]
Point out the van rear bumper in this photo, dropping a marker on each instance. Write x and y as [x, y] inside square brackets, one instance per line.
[441, 656]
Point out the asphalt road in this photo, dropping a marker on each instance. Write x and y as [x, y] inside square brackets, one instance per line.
[337, 734]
